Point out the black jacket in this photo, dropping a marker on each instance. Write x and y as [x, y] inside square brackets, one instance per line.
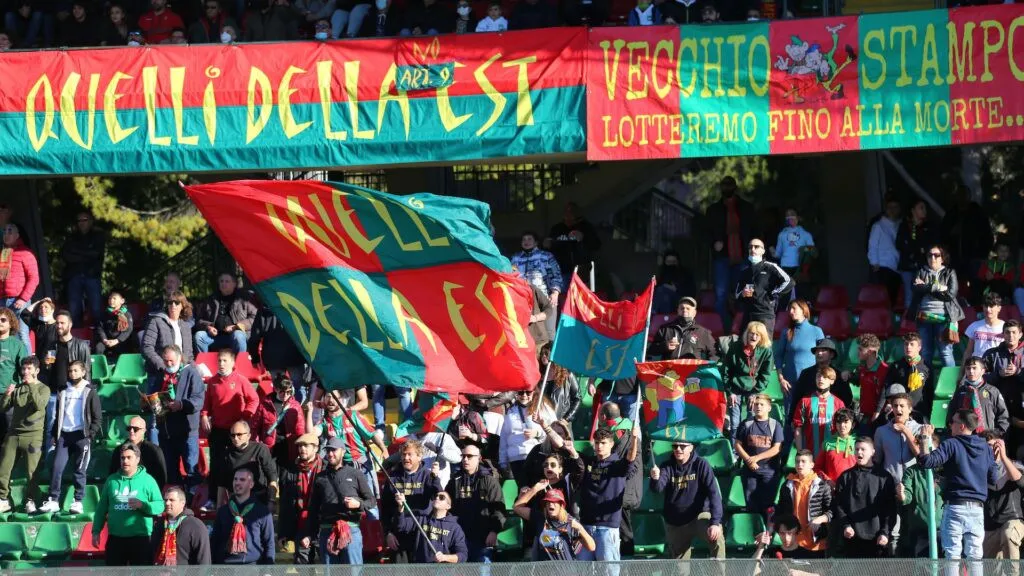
[279, 351]
[288, 509]
[329, 492]
[819, 502]
[264, 469]
[106, 329]
[242, 312]
[276, 24]
[203, 31]
[193, 539]
[716, 223]
[93, 414]
[565, 398]
[947, 277]
[695, 341]
[1003, 502]
[994, 415]
[769, 281]
[912, 243]
[527, 16]
[569, 253]
[83, 254]
[152, 460]
[478, 503]
[865, 500]
[434, 17]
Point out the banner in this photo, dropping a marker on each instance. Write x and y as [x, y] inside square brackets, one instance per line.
[894, 80]
[683, 399]
[601, 339]
[292, 105]
[381, 289]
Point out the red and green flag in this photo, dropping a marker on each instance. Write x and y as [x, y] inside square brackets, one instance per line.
[380, 289]
[683, 399]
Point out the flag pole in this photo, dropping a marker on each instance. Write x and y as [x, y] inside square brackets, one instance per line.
[380, 465]
[554, 346]
[643, 356]
[592, 277]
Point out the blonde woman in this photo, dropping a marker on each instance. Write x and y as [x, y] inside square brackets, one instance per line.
[745, 370]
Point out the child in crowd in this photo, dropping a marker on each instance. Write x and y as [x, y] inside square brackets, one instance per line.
[871, 375]
[646, 13]
[999, 275]
[980, 397]
[494, 22]
[838, 454]
[914, 375]
[808, 497]
[758, 444]
[812, 421]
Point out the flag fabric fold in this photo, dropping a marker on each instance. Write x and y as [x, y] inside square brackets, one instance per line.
[380, 289]
[683, 399]
[601, 339]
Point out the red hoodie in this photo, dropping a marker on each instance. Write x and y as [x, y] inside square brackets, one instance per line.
[229, 399]
[289, 428]
[22, 273]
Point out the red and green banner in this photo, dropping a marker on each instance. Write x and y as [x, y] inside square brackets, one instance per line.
[684, 400]
[896, 80]
[292, 105]
[381, 289]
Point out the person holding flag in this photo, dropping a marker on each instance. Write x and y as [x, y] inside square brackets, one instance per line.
[602, 492]
[417, 484]
[693, 504]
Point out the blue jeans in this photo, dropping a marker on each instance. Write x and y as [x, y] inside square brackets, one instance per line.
[348, 22]
[908, 286]
[374, 484]
[962, 531]
[735, 414]
[726, 277]
[352, 554]
[404, 404]
[235, 340]
[22, 327]
[931, 337]
[607, 540]
[51, 415]
[177, 450]
[80, 286]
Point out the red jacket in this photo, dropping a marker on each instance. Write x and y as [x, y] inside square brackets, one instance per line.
[22, 275]
[291, 426]
[837, 457]
[229, 399]
[158, 28]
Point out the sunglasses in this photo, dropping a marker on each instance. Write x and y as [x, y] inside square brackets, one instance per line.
[239, 434]
[680, 447]
[175, 303]
[135, 429]
[523, 393]
[470, 456]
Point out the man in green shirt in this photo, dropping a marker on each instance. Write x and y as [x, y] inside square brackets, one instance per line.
[128, 503]
[26, 400]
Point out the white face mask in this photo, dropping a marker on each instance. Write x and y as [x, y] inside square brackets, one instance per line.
[171, 369]
[382, 4]
[463, 10]
[225, 38]
[133, 43]
[223, 372]
[320, 35]
[755, 259]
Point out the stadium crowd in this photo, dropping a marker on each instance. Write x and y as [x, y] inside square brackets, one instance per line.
[830, 434]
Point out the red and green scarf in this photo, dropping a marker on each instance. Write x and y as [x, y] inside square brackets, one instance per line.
[168, 555]
[307, 477]
[972, 402]
[238, 543]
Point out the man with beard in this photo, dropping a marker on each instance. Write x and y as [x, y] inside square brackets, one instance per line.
[68, 349]
[128, 503]
[478, 503]
[559, 535]
[152, 458]
[296, 493]
[417, 485]
[178, 427]
[243, 533]
[180, 539]
[245, 452]
[340, 496]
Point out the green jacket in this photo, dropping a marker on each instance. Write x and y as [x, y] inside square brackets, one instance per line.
[114, 511]
[914, 511]
[736, 370]
[12, 350]
[28, 402]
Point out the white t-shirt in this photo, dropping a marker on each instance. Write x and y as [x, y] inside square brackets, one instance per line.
[985, 337]
[488, 24]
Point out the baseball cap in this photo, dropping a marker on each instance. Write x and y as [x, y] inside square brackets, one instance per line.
[555, 495]
[688, 300]
[895, 389]
[335, 444]
[309, 439]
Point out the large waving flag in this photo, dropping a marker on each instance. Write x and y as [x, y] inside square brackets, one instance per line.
[601, 339]
[381, 289]
[683, 399]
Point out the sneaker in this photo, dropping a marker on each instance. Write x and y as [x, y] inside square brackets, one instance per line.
[50, 506]
[76, 507]
[30, 507]
[5, 506]
[208, 507]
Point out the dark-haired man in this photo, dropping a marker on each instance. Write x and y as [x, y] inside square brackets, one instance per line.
[865, 505]
[602, 492]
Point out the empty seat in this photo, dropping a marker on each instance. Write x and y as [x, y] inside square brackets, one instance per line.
[117, 429]
[130, 369]
[741, 531]
[511, 537]
[245, 367]
[877, 321]
[52, 542]
[949, 377]
[648, 534]
[100, 368]
[872, 296]
[835, 323]
[510, 491]
[85, 550]
[832, 297]
[13, 541]
[711, 321]
[892, 350]
[111, 397]
[938, 417]
[774, 388]
[718, 453]
[706, 300]
[732, 495]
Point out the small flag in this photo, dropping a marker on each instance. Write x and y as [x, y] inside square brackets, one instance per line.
[683, 399]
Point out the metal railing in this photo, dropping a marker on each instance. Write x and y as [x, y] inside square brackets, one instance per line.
[654, 221]
[508, 187]
[198, 266]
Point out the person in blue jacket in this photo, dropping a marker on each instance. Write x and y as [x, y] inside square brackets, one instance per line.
[254, 544]
[441, 540]
[693, 504]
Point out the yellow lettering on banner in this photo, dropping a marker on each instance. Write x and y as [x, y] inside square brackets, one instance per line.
[684, 45]
[363, 297]
[210, 111]
[385, 215]
[149, 90]
[365, 303]
[400, 97]
[524, 102]
[418, 223]
[115, 131]
[608, 142]
[39, 137]
[902, 32]
[321, 312]
[736, 40]
[961, 54]
[323, 83]
[995, 113]
[284, 103]
[471, 340]
[486, 303]
[991, 48]
[295, 213]
[760, 41]
[930, 59]
[67, 109]
[348, 224]
[177, 90]
[510, 314]
[491, 92]
[662, 90]
[254, 125]
[407, 315]
[609, 360]
[309, 336]
[352, 90]
[444, 107]
[871, 37]
[1011, 50]
[611, 77]
[635, 70]
[710, 67]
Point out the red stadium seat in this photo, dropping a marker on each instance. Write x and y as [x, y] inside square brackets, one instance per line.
[659, 320]
[706, 300]
[712, 322]
[901, 301]
[877, 321]
[1010, 312]
[245, 367]
[737, 324]
[965, 323]
[782, 322]
[209, 359]
[907, 325]
[85, 550]
[835, 323]
[32, 341]
[832, 297]
[872, 296]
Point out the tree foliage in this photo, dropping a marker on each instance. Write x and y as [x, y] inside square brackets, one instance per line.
[751, 173]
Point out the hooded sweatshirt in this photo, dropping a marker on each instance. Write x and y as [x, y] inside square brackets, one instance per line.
[113, 509]
[445, 534]
[689, 488]
[419, 488]
[603, 490]
[478, 503]
[28, 405]
[865, 500]
[967, 465]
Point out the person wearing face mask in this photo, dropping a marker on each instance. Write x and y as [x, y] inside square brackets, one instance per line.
[181, 393]
[322, 30]
[760, 285]
[279, 421]
[384, 22]
[78, 421]
[792, 246]
[645, 14]
[729, 224]
[683, 337]
[674, 281]
[464, 19]
[519, 434]
[229, 398]
[271, 20]
[208, 29]
[228, 35]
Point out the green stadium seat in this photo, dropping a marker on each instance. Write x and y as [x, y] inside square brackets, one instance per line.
[510, 491]
[855, 392]
[651, 500]
[938, 417]
[778, 412]
[111, 397]
[791, 459]
[52, 542]
[510, 539]
[13, 541]
[99, 463]
[583, 447]
[21, 516]
[892, 350]
[130, 369]
[648, 535]
[100, 370]
[734, 498]
[718, 453]
[89, 501]
[774, 388]
[949, 376]
[117, 429]
[848, 359]
[741, 530]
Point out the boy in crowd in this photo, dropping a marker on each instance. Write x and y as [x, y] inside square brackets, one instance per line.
[914, 375]
[912, 498]
[758, 444]
[865, 505]
[987, 333]
[871, 376]
[892, 450]
[808, 497]
[78, 421]
[838, 455]
[602, 491]
[980, 397]
[813, 418]
[26, 401]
